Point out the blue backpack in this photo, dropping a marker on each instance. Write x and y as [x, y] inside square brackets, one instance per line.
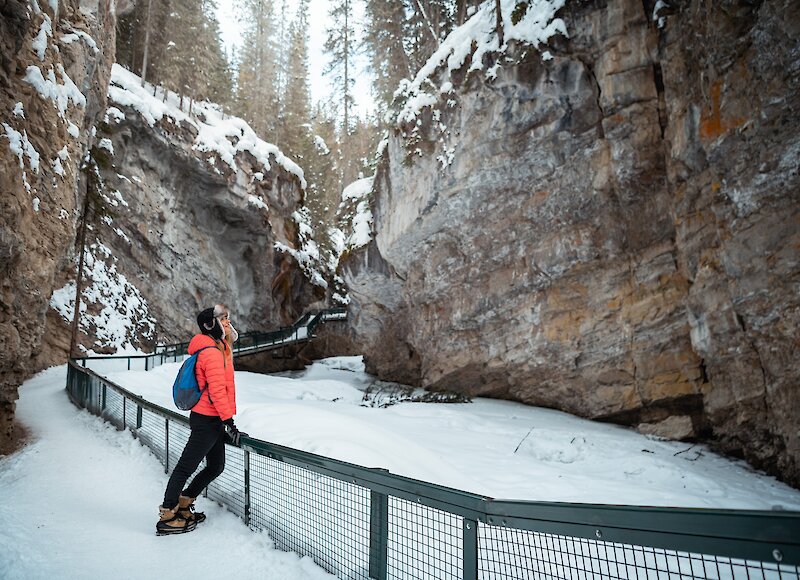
[185, 390]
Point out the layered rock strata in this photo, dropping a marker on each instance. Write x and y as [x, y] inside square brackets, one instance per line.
[612, 231]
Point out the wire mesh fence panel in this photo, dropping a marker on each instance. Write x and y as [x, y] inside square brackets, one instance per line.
[129, 412]
[228, 488]
[519, 554]
[153, 434]
[312, 514]
[93, 403]
[114, 408]
[178, 436]
[423, 542]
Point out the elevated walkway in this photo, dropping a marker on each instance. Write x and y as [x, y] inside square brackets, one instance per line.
[249, 343]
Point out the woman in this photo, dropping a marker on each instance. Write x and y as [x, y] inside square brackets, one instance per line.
[209, 421]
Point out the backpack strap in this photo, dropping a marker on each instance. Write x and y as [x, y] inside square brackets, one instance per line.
[204, 389]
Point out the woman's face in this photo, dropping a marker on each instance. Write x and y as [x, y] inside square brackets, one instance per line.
[225, 321]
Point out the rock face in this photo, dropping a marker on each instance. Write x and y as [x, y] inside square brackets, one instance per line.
[616, 234]
[182, 229]
[53, 72]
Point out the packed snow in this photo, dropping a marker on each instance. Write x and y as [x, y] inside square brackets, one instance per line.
[80, 500]
[75, 35]
[357, 193]
[50, 89]
[39, 44]
[495, 448]
[106, 144]
[119, 314]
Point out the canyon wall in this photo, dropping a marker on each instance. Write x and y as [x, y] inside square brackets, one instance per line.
[55, 62]
[608, 225]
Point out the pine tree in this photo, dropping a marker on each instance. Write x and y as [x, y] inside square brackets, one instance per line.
[176, 44]
[297, 139]
[340, 46]
[216, 82]
[429, 22]
[257, 97]
[135, 32]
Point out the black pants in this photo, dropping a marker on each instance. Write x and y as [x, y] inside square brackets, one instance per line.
[207, 439]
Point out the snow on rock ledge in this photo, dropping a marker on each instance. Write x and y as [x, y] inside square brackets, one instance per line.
[218, 136]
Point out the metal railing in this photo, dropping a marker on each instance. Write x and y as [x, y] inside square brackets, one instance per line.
[358, 522]
[248, 343]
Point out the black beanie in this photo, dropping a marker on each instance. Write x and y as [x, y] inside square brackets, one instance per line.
[210, 325]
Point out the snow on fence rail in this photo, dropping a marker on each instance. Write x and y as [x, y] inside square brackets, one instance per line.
[358, 522]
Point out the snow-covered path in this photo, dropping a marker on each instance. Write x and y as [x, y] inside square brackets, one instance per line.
[80, 501]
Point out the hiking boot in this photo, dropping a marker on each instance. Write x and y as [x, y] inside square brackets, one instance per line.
[186, 510]
[171, 522]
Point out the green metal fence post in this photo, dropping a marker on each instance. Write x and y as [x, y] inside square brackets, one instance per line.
[247, 488]
[378, 534]
[103, 403]
[138, 416]
[166, 445]
[470, 531]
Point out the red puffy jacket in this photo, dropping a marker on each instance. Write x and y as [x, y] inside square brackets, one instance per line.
[215, 369]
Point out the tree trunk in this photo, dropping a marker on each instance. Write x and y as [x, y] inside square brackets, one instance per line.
[461, 12]
[73, 343]
[146, 41]
[346, 128]
[498, 22]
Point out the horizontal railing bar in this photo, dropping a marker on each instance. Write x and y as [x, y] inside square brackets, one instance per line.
[701, 530]
[735, 524]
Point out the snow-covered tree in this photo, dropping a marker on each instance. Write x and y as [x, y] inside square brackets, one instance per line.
[383, 40]
[428, 23]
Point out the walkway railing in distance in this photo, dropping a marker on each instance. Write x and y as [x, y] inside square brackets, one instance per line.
[358, 522]
[249, 343]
